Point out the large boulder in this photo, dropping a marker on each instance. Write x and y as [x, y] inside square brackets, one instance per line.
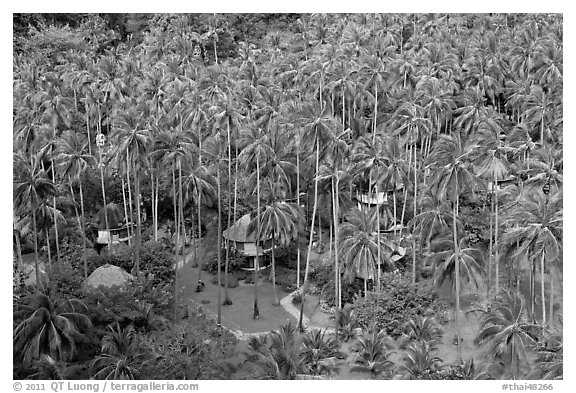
[108, 276]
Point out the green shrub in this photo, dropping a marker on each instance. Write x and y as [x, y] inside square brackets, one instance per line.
[398, 301]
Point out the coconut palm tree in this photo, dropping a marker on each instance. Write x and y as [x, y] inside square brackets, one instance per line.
[72, 161]
[536, 226]
[419, 359]
[506, 332]
[256, 152]
[49, 326]
[31, 189]
[120, 356]
[453, 175]
[279, 222]
[134, 146]
[359, 247]
[372, 352]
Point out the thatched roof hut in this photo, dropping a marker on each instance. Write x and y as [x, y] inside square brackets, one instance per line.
[108, 276]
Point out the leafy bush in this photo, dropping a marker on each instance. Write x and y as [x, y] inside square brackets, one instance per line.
[194, 350]
[398, 301]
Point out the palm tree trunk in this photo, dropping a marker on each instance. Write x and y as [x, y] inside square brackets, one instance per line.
[156, 208]
[48, 245]
[125, 208]
[496, 256]
[457, 275]
[199, 247]
[543, 295]
[130, 200]
[176, 247]
[82, 226]
[138, 221]
[551, 303]
[405, 190]
[489, 279]
[36, 259]
[375, 114]
[298, 202]
[18, 250]
[55, 220]
[309, 254]
[415, 203]
[227, 300]
[219, 273]
[335, 217]
[88, 126]
[276, 301]
[152, 202]
[256, 314]
[378, 239]
[395, 215]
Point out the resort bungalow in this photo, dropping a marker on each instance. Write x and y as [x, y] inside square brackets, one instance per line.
[501, 183]
[119, 231]
[370, 199]
[244, 244]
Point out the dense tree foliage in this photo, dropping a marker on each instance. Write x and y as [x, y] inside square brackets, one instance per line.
[452, 123]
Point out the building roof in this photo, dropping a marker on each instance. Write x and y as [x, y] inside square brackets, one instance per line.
[239, 231]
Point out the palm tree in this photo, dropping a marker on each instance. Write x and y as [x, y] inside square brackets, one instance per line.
[536, 225]
[31, 189]
[422, 328]
[359, 246]
[120, 358]
[134, 146]
[50, 326]
[73, 161]
[279, 222]
[372, 353]
[453, 264]
[419, 359]
[255, 153]
[453, 175]
[506, 332]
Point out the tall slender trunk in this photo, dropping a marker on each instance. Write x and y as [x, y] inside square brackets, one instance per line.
[88, 127]
[155, 207]
[130, 200]
[219, 245]
[152, 194]
[496, 254]
[55, 220]
[335, 216]
[48, 245]
[138, 221]
[415, 203]
[199, 246]
[378, 239]
[543, 295]
[309, 254]
[551, 303]
[83, 227]
[298, 202]
[125, 208]
[227, 300]
[457, 274]
[490, 262]
[276, 301]
[36, 259]
[406, 190]
[256, 314]
[375, 115]
[394, 201]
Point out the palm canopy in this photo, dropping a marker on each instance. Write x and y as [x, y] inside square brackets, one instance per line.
[454, 163]
[50, 326]
[72, 158]
[31, 188]
[359, 245]
[444, 262]
[505, 330]
[279, 221]
[536, 225]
